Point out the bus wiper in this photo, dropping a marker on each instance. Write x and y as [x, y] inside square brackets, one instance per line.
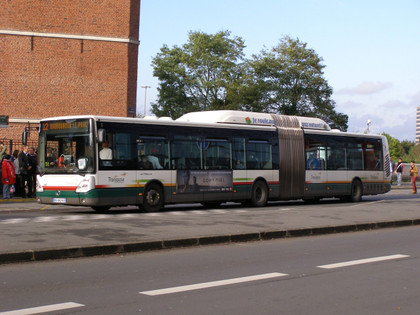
[45, 171]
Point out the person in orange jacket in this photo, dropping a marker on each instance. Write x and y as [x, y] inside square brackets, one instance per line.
[414, 173]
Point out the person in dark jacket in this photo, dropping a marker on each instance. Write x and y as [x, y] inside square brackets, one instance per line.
[32, 159]
[23, 166]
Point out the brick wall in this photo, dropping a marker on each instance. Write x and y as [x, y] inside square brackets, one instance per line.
[113, 18]
[43, 76]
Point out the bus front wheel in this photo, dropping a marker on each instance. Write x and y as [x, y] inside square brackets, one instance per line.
[259, 195]
[153, 198]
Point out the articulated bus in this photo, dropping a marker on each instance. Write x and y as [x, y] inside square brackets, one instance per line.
[207, 157]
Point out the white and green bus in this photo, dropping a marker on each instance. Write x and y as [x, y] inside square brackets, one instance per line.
[205, 157]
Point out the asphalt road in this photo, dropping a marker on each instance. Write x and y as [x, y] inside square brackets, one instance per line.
[370, 272]
[32, 231]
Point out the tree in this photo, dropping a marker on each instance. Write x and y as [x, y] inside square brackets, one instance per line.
[205, 74]
[413, 152]
[396, 151]
[209, 72]
[290, 80]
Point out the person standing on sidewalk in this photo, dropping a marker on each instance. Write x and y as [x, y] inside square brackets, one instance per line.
[8, 177]
[2, 153]
[24, 166]
[32, 159]
[414, 172]
[399, 170]
[15, 161]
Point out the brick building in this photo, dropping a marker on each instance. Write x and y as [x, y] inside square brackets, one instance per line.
[66, 57]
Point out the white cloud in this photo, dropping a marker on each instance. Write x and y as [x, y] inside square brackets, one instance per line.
[365, 88]
[393, 117]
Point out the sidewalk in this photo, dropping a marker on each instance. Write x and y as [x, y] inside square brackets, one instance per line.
[26, 238]
[17, 199]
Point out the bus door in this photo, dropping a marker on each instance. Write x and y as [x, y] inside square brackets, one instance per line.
[153, 164]
[336, 165]
[316, 180]
[187, 168]
[216, 184]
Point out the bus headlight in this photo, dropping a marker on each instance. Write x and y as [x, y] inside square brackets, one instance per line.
[39, 184]
[87, 183]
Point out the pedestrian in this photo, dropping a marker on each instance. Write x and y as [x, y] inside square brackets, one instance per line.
[392, 168]
[399, 170]
[414, 173]
[32, 170]
[23, 166]
[2, 150]
[8, 177]
[15, 160]
[2, 153]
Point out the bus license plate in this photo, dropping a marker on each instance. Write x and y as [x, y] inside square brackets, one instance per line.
[59, 200]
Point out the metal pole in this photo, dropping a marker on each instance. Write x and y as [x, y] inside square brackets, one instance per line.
[145, 87]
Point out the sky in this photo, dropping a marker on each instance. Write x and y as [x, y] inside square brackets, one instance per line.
[370, 48]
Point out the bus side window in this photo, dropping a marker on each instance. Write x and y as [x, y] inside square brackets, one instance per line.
[315, 152]
[238, 152]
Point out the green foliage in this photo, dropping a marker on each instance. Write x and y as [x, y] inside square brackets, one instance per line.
[205, 74]
[395, 149]
[290, 78]
[413, 153]
[209, 73]
[406, 150]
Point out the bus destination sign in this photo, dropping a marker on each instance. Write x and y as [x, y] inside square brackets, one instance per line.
[66, 126]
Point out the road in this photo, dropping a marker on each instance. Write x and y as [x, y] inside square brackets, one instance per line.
[41, 232]
[379, 275]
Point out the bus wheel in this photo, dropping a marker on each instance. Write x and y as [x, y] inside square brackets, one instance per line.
[153, 198]
[101, 209]
[356, 191]
[259, 195]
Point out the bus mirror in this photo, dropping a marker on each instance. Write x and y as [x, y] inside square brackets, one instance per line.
[101, 135]
[24, 137]
[82, 163]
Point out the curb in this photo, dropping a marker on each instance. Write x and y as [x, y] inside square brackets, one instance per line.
[116, 249]
[17, 200]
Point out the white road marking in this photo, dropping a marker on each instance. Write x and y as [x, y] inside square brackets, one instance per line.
[152, 214]
[360, 204]
[363, 261]
[240, 211]
[177, 213]
[217, 211]
[45, 219]
[127, 215]
[198, 212]
[285, 209]
[43, 309]
[73, 217]
[211, 284]
[99, 217]
[16, 221]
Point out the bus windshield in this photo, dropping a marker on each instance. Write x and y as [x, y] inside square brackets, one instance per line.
[66, 146]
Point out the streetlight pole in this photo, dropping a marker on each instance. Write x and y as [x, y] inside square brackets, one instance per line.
[145, 87]
[368, 124]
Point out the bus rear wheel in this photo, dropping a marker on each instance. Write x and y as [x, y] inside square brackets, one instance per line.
[153, 198]
[356, 191]
[259, 195]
